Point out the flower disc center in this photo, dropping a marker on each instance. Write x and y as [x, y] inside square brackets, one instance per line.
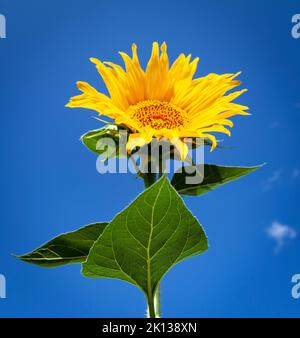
[158, 114]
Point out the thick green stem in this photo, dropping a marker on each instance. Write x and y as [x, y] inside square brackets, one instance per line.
[153, 300]
[160, 164]
[154, 310]
[157, 304]
[151, 308]
[149, 179]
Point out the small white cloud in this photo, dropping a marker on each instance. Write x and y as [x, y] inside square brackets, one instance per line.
[275, 176]
[281, 233]
[296, 173]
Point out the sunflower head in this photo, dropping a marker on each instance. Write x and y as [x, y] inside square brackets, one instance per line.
[163, 101]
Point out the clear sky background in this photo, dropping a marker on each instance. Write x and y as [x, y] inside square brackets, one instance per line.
[49, 183]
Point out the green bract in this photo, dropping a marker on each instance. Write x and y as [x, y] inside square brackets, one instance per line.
[92, 140]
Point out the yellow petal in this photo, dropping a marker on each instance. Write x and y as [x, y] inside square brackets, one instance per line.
[135, 140]
[181, 147]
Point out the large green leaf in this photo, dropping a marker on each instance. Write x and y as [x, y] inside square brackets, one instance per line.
[146, 239]
[214, 176]
[72, 247]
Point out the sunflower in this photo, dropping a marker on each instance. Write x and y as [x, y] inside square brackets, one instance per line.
[163, 101]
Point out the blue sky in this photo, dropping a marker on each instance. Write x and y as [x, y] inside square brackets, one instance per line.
[49, 183]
